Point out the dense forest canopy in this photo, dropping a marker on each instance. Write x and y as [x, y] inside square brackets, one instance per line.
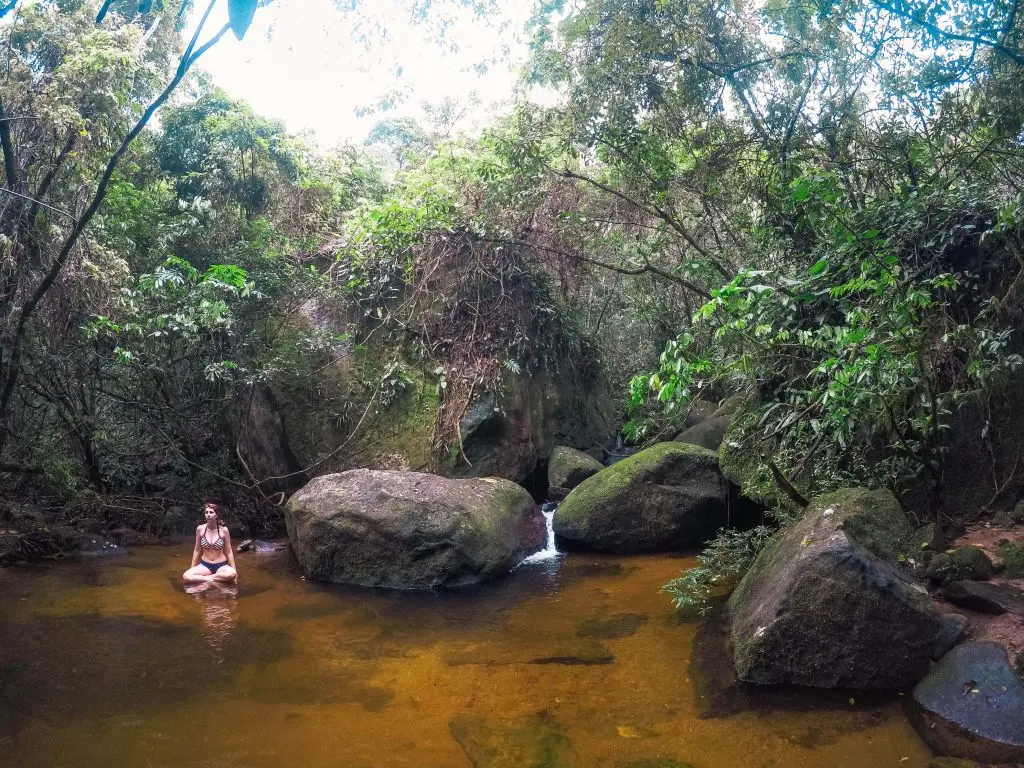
[815, 206]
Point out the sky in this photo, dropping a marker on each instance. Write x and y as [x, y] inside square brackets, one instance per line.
[317, 67]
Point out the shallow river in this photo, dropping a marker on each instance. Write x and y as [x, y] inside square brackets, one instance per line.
[576, 661]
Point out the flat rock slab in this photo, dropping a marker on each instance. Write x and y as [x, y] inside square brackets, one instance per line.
[971, 705]
[996, 599]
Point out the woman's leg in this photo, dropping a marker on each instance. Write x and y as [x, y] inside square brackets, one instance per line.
[197, 575]
[225, 573]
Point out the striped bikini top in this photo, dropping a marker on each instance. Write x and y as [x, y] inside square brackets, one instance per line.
[218, 544]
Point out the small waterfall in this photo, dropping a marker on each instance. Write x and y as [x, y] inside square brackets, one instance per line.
[549, 551]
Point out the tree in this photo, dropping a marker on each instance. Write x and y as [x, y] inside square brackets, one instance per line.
[69, 111]
[402, 136]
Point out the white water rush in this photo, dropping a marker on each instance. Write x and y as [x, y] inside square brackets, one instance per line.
[549, 551]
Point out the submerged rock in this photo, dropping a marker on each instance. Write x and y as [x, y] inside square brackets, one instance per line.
[824, 605]
[667, 497]
[535, 740]
[971, 705]
[568, 467]
[409, 530]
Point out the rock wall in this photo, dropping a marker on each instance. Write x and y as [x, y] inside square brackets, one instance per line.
[330, 413]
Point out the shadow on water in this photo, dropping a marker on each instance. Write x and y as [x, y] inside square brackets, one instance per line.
[88, 666]
[719, 694]
[480, 606]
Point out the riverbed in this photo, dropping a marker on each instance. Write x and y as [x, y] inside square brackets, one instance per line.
[577, 660]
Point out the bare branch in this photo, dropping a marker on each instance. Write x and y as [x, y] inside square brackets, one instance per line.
[1014, 54]
[647, 268]
[654, 210]
[39, 203]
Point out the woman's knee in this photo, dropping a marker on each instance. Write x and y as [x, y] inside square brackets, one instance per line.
[226, 573]
[197, 573]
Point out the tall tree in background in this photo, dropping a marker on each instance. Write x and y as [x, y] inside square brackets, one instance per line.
[80, 84]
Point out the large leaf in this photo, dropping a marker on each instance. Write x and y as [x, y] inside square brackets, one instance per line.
[240, 13]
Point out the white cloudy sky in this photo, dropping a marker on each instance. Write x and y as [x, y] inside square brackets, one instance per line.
[302, 62]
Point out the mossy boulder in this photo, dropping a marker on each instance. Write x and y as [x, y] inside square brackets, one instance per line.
[409, 530]
[744, 468]
[1012, 556]
[825, 605]
[971, 705]
[707, 434]
[927, 540]
[698, 411]
[376, 405]
[959, 564]
[568, 467]
[667, 497]
[1017, 513]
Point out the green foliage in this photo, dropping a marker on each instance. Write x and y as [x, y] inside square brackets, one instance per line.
[876, 342]
[720, 566]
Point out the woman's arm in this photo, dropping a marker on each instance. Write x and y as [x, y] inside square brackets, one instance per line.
[196, 553]
[227, 548]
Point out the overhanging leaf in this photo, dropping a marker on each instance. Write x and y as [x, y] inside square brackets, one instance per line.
[240, 13]
[818, 268]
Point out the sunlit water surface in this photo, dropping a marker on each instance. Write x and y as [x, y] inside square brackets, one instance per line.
[576, 660]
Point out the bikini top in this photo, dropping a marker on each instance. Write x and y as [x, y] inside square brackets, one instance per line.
[218, 544]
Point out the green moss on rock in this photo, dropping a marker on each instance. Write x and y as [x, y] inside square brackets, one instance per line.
[1012, 556]
[747, 471]
[667, 497]
[824, 604]
[568, 467]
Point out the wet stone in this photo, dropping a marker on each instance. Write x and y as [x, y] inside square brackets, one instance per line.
[996, 599]
[971, 705]
[951, 628]
[613, 627]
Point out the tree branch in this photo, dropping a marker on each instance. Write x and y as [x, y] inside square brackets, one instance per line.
[654, 210]
[36, 204]
[10, 167]
[648, 267]
[27, 310]
[1015, 55]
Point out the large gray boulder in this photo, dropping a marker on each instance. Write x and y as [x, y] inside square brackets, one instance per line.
[568, 467]
[709, 433]
[409, 530]
[668, 497]
[824, 605]
[971, 705]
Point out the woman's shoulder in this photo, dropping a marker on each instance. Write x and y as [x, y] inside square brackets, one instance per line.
[200, 527]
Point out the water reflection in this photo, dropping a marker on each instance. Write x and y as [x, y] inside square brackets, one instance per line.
[220, 609]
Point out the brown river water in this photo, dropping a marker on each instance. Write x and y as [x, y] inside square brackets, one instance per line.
[574, 662]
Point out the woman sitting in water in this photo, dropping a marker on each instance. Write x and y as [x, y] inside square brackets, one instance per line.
[213, 558]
